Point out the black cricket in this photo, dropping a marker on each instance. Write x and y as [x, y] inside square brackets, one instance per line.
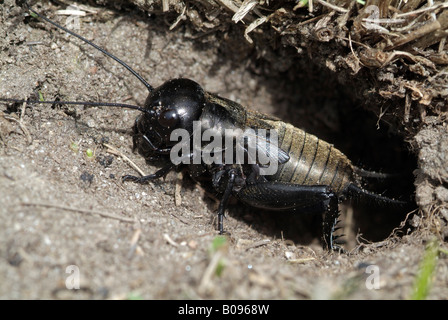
[312, 175]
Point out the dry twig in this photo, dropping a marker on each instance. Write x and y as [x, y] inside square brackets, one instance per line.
[79, 210]
[115, 151]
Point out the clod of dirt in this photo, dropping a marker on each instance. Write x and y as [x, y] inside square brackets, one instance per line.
[432, 175]
[87, 178]
[105, 160]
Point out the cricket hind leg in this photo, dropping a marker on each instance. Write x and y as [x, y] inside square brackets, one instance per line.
[301, 198]
[329, 226]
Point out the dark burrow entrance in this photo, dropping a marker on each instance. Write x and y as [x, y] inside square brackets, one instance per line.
[312, 99]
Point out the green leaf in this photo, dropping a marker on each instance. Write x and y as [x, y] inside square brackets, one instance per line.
[301, 4]
[220, 267]
[218, 243]
[74, 146]
[89, 153]
[134, 296]
[41, 96]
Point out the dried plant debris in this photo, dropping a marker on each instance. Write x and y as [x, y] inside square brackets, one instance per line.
[403, 41]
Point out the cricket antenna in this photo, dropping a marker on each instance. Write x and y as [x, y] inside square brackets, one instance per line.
[86, 103]
[150, 88]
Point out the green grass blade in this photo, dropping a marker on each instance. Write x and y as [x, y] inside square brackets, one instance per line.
[425, 276]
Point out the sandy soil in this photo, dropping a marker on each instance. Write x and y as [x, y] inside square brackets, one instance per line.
[60, 208]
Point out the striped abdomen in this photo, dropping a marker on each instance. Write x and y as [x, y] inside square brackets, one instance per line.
[312, 161]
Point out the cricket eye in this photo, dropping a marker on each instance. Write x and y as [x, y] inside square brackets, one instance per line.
[168, 118]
